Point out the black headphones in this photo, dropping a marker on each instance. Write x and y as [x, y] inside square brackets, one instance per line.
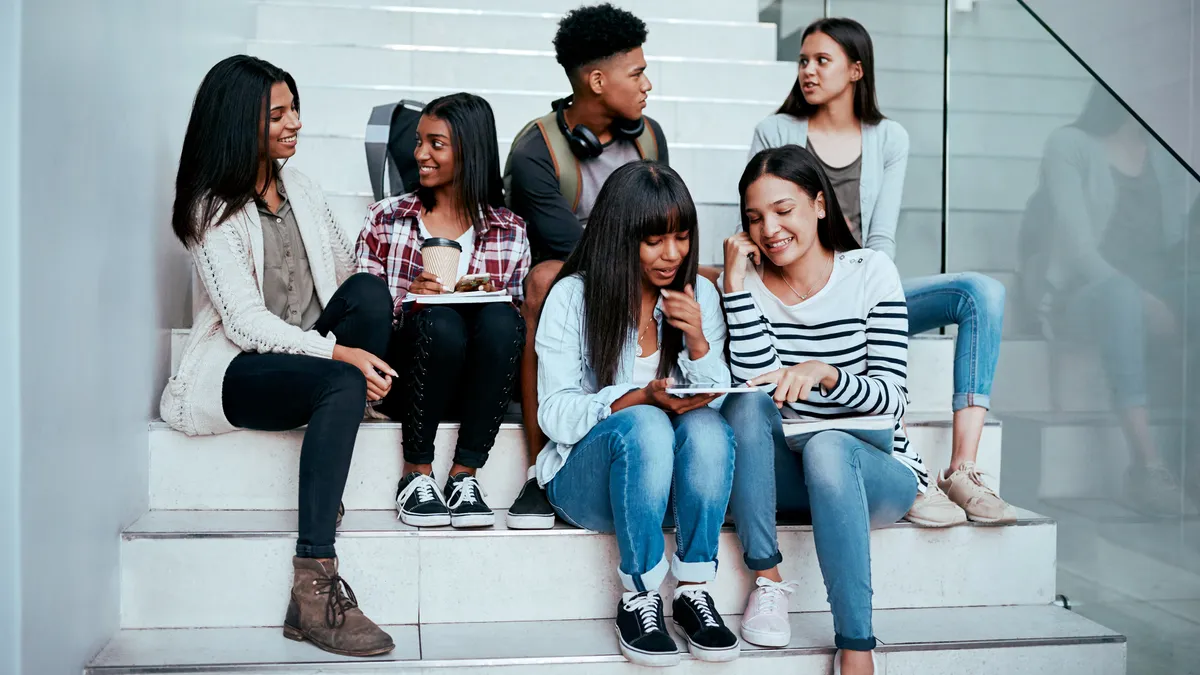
[583, 142]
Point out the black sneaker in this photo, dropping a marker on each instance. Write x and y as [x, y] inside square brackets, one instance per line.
[531, 510]
[420, 502]
[465, 498]
[642, 631]
[696, 615]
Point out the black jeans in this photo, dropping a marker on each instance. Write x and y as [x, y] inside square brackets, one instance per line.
[276, 392]
[454, 359]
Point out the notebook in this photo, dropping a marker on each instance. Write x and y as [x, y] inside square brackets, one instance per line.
[472, 297]
[875, 430]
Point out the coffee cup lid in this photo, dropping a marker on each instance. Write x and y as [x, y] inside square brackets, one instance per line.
[441, 241]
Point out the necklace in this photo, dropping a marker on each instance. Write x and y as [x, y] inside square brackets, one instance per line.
[641, 333]
[802, 296]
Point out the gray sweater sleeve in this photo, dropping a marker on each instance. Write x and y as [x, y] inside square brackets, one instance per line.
[1075, 247]
[885, 219]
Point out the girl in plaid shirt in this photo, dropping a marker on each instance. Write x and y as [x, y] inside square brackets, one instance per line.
[456, 359]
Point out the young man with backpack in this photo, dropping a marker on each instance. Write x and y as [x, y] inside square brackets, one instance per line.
[555, 170]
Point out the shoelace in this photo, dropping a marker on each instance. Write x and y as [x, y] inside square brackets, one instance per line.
[700, 601]
[466, 490]
[773, 593]
[340, 599]
[646, 606]
[425, 488]
[976, 477]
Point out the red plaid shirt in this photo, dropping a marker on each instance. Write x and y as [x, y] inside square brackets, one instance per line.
[390, 247]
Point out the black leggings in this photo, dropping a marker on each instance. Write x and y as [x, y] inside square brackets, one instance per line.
[276, 392]
[460, 359]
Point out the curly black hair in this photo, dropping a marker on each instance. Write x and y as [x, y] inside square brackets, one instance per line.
[590, 34]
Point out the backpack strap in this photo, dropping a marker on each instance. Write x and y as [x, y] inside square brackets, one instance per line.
[566, 166]
[647, 143]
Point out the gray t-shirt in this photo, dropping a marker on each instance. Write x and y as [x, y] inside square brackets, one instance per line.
[845, 181]
[288, 289]
[595, 171]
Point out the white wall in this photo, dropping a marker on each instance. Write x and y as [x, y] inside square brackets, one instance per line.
[104, 96]
[10, 430]
[1146, 51]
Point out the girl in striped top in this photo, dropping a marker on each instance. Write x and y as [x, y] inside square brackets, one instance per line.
[822, 325]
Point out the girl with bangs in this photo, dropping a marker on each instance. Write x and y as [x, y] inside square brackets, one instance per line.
[626, 318]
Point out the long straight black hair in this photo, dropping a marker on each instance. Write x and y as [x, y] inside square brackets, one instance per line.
[856, 42]
[797, 165]
[477, 179]
[639, 200]
[1102, 115]
[224, 143]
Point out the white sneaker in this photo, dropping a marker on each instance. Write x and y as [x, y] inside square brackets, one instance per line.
[837, 663]
[967, 488]
[934, 509]
[765, 622]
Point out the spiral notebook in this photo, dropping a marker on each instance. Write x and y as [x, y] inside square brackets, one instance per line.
[876, 430]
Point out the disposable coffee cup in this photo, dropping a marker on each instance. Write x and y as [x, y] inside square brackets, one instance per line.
[441, 258]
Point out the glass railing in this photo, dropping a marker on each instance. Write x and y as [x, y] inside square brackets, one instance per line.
[1026, 167]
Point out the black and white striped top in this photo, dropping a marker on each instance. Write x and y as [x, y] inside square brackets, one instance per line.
[857, 323]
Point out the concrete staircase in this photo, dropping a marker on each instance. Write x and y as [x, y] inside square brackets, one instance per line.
[205, 572]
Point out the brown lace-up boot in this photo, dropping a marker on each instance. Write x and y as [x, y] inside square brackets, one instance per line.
[324, 611]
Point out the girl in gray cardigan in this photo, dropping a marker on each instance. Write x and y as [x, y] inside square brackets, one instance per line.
[1101, 248]
[832, 111]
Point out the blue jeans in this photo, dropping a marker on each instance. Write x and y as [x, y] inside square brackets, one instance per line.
[975, 303]
[622, 475]
[847, 486]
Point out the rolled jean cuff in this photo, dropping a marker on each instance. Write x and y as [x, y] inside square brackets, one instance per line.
[470, 459]
[693, 572]
[647, 581]
[855, 644]
[961, 401]
[760, 564]
[310, 551]
[418, 456]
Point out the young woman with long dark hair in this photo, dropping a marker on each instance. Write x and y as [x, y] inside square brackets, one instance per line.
[459, 359]
[626, 318]
[284, 333]
[824, 324]
[832, 111]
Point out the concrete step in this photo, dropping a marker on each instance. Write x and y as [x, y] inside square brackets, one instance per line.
[498, 28]
[705, 10]
[532, 68]
[176, 569]
[343, 110]
[1005, 20]
[259, 470]
[1028, 640]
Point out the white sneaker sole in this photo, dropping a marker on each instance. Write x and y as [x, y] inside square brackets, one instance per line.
[933, 523]
[647, 659]
[473, 520]
[1002, 520]
[709, 654]
[425, 520]
[763, 639]
[525, 521]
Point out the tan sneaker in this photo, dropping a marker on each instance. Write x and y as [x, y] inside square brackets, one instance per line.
[966, 488]
[934, 509]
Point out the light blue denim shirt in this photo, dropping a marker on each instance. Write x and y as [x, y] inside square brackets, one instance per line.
[570, 402]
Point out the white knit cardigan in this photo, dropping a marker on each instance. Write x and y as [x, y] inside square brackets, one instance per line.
[230, 314]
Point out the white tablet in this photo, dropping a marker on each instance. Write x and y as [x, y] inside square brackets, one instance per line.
[691, 391]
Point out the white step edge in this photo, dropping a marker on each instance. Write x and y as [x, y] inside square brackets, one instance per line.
[258, 470]
[743, 11]
[1008, 640]
[176, 569]
[497, 28]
